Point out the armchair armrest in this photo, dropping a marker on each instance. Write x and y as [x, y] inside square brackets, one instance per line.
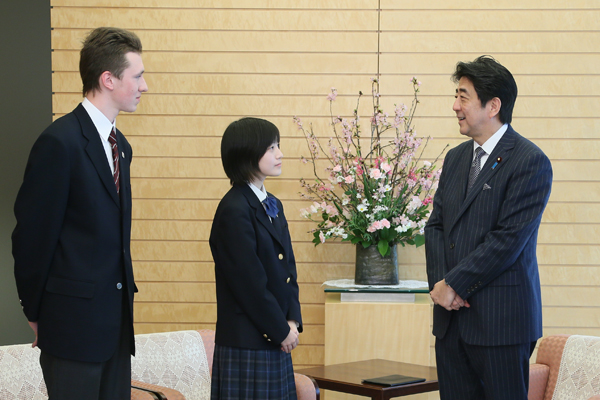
[307, 388]
[146, 391]
[538, 380]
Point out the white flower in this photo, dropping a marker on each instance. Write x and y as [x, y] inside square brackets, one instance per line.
[337, 231]
[401, 228]
[413, 205]
[380, 208]
[362, 208]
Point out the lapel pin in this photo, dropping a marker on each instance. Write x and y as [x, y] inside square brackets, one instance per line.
[123, 154]
[498, 160]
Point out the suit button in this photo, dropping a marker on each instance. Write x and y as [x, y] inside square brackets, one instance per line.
[265, 335]
[281, 256]
[119, 286]
[451, 245]
[287, 280]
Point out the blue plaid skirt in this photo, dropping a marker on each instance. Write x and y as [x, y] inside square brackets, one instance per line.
[245, 374]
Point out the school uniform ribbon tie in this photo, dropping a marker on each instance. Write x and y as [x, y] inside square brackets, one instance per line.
[271, 206]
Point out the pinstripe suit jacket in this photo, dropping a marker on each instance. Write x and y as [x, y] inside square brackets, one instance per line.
[484, 244]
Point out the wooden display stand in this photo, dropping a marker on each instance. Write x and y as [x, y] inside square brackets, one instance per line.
[356, 331]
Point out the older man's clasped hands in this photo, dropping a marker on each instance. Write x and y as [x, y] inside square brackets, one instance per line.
[443, 295]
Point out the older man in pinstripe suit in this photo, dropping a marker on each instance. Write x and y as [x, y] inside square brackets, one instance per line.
[481, 243]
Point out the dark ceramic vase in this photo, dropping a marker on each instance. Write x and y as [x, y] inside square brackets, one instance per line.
[373, 269]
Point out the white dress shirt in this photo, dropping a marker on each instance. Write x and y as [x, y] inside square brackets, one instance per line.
[103, 126]
[261, 194]
[490, 144]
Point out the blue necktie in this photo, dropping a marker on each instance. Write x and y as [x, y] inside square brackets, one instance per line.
[271, 206]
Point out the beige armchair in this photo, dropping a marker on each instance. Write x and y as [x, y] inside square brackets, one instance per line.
[569, 365]
[20, 373]
[167, 366]
[21, 376]
[182, 361]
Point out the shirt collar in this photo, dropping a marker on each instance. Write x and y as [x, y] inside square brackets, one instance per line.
[260, 193]
[491, 143]
[102, 124]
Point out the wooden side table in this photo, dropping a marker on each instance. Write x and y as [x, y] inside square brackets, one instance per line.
[347, 378]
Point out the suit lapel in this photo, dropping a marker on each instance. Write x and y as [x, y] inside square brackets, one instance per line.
[457, 180]
[261, 214]
[277, 224]
[95, 151]
[123, 166]
[464, 169]
[501, 152]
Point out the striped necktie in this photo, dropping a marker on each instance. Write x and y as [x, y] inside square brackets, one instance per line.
[112, 139]
[475, 167]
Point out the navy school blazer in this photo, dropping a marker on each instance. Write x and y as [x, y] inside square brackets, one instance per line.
[71, 244]
[255, 272]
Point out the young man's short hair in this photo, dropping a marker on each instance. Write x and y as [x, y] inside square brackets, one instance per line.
[104, 49]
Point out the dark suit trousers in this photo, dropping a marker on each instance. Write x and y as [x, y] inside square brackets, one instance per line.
[77, 380]
[468, 372]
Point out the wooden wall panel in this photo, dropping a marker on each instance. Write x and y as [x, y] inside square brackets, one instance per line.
[226, 4]
[239, 41]
[435, 126]
[317, 85]
[209, 62]
[175, 20]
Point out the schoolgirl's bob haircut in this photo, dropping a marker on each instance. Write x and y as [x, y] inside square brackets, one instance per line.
[243, 144]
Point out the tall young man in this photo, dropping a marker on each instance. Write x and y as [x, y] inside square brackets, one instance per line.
[71, 243]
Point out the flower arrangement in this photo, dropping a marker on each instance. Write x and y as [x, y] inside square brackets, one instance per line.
[375, 194]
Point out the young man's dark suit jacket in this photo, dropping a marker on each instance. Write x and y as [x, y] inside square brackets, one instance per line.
[484, 245]
[255, 270]
[71, 243]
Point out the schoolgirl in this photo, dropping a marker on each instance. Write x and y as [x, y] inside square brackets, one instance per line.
[258, 311]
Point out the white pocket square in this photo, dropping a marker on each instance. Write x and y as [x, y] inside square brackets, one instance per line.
[486, 186]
